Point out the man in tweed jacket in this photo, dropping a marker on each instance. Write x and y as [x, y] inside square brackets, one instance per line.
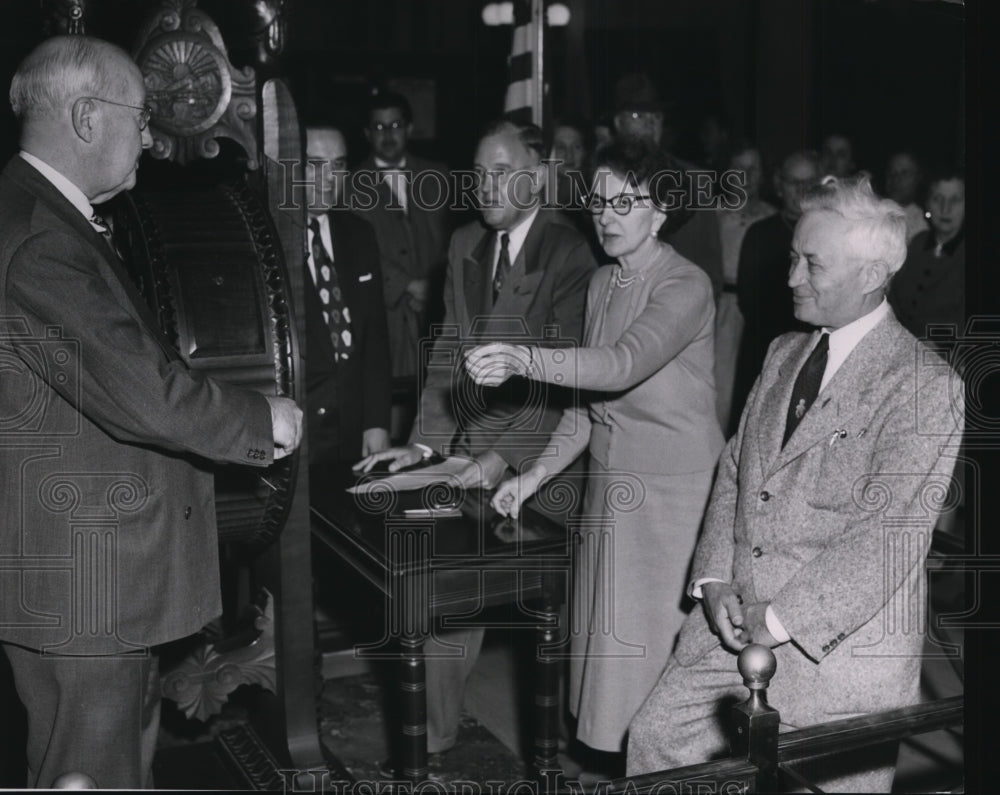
[815, 544]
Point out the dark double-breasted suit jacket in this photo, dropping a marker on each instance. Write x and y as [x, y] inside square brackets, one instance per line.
[108, 535]
[347, 397]
[541, 301]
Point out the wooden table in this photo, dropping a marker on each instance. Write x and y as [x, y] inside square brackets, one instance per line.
[427, 567]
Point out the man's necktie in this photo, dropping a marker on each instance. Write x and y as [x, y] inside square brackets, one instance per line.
[807, 384]
[395, 178]
[503, 265]
[104, 230]
[335, 311]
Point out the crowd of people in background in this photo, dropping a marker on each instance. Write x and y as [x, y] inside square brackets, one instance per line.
[743, 248]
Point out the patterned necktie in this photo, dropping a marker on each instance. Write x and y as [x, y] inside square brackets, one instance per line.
[503, 265]
[104, 231]
[807, 384]
[335, 311]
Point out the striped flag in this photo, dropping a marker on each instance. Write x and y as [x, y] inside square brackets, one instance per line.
[523, 101]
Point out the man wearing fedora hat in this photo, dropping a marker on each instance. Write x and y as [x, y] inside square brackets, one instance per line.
[641, 115]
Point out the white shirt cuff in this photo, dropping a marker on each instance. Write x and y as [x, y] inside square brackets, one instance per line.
[696, 588]
[775, 627]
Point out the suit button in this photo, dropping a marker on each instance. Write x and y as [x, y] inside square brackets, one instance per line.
[187, 512]
[826, 648]
[756, 552]
[321, 410]
[764, 496]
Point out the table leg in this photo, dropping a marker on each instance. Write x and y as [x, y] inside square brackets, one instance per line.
[413, 697]
[547, 687]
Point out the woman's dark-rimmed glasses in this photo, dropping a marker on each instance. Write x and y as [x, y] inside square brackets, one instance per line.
[621, 204]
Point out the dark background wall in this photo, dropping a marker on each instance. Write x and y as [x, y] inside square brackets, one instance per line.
[887, 72]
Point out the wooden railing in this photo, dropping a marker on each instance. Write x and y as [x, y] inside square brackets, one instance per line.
[759, 753]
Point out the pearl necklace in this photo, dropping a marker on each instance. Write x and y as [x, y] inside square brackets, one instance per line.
[627, 281]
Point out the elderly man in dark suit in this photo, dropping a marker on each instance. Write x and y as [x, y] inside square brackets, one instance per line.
[347, 346]
[108, 535]
[406, 199]
[819, 522]
[521, 270]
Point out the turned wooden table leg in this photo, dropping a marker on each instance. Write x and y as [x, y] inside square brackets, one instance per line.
[413, 699]
[547, 663]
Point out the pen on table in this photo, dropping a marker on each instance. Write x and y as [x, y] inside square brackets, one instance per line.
[436, 512]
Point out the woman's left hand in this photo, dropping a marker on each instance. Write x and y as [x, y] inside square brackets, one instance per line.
[491, 365]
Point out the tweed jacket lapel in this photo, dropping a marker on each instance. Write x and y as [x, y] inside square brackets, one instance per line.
[845, 401]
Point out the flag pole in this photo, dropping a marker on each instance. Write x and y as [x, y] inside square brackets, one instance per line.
[538, 93]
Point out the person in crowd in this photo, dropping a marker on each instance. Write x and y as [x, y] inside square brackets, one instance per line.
[569, 175]
[102, 418]
[930, 287]
[720, 234]
[569, 155]
[904, 185]
[411, 217]
[641, 116]
[762, 291]
[521, 269]
[837, 155]
[816, 532]
[715, 139]
[646, 365]
[348, 383]
[603, 134]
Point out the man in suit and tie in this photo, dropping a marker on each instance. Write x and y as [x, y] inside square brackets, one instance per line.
[406, 199]
[520, 270]
[347, 346]
[819, 523]
[107, 516]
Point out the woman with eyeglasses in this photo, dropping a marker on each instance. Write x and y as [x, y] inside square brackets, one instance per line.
[645, 380]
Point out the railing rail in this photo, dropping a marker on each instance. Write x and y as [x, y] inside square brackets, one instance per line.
[759, 751]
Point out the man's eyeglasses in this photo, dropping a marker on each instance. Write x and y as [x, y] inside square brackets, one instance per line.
[393, 125]
[144, 112]
[621, 204]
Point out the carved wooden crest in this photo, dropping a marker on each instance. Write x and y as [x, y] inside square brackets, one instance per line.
[196, 94]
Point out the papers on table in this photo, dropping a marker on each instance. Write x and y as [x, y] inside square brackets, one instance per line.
[415, 477]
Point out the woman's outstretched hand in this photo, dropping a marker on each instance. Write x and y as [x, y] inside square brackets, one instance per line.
[491, 365]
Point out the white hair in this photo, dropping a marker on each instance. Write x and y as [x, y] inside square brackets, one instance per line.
[878, 225]
[63, 68]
